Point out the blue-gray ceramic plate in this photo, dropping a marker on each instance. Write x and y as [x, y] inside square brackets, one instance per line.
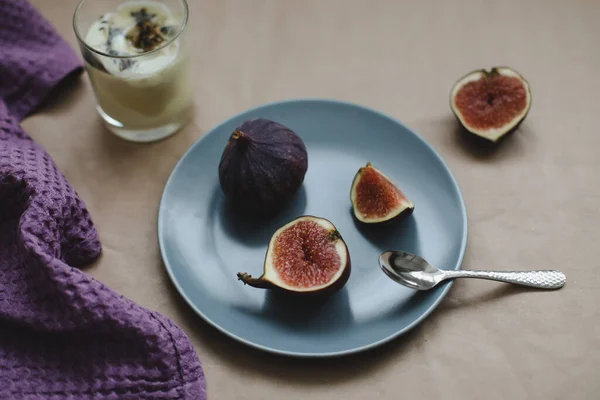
[203, 246]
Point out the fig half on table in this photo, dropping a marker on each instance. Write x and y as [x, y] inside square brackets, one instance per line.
[306, 256]
[491, 103]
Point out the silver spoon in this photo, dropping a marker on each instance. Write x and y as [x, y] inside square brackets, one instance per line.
[416, 273]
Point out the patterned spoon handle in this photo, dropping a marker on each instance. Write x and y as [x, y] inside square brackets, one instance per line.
[544, 279]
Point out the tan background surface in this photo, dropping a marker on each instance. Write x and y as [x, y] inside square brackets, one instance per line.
[532, 203]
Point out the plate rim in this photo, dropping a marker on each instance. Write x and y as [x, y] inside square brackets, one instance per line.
[355, 350]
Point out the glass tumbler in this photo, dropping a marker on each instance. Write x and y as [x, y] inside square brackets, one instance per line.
[137, 59]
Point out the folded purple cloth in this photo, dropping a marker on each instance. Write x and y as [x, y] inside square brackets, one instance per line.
[64, 335]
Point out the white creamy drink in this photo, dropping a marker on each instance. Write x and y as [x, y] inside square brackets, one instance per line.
[149, 95]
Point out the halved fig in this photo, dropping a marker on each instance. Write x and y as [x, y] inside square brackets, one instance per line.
[306, 256]
[491, 103]
[376, 198]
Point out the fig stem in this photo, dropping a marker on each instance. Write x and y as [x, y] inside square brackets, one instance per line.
[237, 134]
[491, 72]
[257, 283]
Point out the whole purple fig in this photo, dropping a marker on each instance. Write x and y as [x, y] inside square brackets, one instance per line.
[262, 167]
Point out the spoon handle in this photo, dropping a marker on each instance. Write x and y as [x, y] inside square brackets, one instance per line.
[545, 279]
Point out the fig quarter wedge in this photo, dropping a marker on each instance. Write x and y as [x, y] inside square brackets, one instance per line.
[491, 103]
[376, 198]
[306, 256]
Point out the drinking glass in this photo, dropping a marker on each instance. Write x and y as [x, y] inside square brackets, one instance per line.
[145, 96]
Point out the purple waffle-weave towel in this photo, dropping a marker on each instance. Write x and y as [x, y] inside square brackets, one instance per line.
[64, 335]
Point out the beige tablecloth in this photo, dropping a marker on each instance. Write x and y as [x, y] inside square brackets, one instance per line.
[532, 203]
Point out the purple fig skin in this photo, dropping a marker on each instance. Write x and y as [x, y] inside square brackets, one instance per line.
[262, 167]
